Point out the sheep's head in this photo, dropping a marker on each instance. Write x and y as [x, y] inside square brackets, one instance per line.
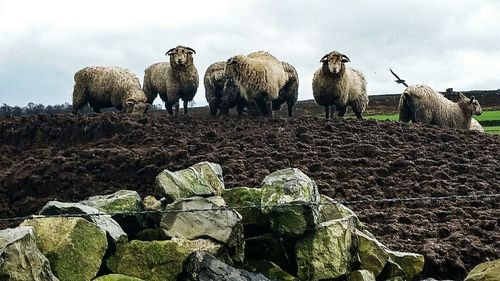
[180, 55]
[232, 65]
[334, 61]
[136, 106]
[470, 105]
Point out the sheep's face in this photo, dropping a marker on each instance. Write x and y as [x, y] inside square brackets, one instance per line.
[334, 62]
[135, 107]
[180, 55]
[470, 104]
[232, 65]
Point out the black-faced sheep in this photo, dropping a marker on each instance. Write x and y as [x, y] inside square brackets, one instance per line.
[336, 84]
[174, 80]
[420, 103]
[103, 87]
[259, 77]
[220, 91]
[289, 93]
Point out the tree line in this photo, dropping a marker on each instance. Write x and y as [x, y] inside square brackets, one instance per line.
[66, 108]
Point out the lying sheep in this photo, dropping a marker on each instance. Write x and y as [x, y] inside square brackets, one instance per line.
[289, 93]
[103, 87]
[337, 84]
[174, 80]
[220, 91]
[259, 77]
[420, 103]
[475, 126]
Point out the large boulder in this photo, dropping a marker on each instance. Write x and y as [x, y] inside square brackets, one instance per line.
[201, 266]
[114, 231]
[117, 277]
[326, 253]
[126, 208]
[202, 179]
[488, 271]
[329, 209]
[371, 253]
[361, 275]
[158, 260]
[291, 200]
[205, 217]
[74, 246]
[411, 264]
[20, 259]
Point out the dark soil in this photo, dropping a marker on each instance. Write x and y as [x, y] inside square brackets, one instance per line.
[69, 158]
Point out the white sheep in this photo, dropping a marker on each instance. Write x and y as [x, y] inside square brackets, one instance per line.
[259, 77]
[289, 93]
[103, 87]
[336, 84]
[420, 103]
[174, 80]
[475, 126]
[220, 91]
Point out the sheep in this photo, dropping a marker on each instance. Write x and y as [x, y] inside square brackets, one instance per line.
[289, 93]
[107, 87]
[475, 126]
[337, 84]
[174, 80]
[420, 103]
[220, 91]
[259, 77]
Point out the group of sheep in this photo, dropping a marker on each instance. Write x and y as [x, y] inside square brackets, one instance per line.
[262, 84]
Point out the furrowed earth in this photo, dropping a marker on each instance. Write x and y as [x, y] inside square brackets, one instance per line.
[69, 158]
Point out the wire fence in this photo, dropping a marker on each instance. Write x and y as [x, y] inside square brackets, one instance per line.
[258, 206]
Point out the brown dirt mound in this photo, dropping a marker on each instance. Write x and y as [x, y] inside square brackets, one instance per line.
[69, 158]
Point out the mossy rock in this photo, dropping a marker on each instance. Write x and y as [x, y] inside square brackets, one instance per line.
[412, 264]
[371, 253]
[488, 271]
[118, 202]
[157, 260]
[361, 275]
[326, 253]
[74, 246]
[242, 199]
[117, 277]
[269, 270]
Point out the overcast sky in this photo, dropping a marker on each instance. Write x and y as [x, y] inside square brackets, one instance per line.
[445, 43]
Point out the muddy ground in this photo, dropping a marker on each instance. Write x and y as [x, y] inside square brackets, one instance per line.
[69, 158]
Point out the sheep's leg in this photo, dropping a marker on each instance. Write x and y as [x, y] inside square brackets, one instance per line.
[290, 109]
[177, 108]
[168, 107]
[253, 108]
[239, 108]
[342, 110]
[78, 98]
[327, 111]
[269, 108]
[359, 115]
[185, 105]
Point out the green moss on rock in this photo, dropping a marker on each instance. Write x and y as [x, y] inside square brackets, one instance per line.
[74, 246]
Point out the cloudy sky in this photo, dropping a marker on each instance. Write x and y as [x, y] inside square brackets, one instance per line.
[445, 43]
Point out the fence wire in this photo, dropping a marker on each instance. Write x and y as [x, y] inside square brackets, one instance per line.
[258, 206]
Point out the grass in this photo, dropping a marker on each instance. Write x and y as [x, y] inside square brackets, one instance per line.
[487, 116]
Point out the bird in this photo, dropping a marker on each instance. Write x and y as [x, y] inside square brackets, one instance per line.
[399, 80]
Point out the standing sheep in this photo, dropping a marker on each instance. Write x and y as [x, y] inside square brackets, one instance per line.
[103, 87]
[289, 93]
[173, 81]
[259, 77]
[337, 84]
[420, 103]
[220, 91]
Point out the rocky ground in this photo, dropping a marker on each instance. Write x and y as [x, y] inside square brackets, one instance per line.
[69, 158]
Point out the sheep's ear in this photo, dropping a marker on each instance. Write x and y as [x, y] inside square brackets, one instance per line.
[472, 98]
[324, 58]
[231, 60]
[462, 96]
[345, 58]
